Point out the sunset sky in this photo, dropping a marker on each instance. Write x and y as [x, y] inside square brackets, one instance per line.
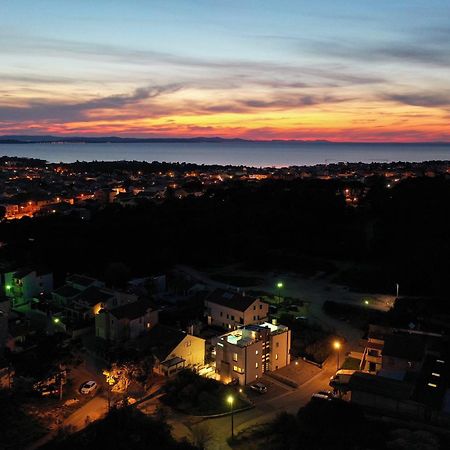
[342, 70]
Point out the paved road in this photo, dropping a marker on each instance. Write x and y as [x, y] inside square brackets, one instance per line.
[266, 409]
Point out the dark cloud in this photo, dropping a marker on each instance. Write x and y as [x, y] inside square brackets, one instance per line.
[257, 72]
[64, 112]
[426, 100]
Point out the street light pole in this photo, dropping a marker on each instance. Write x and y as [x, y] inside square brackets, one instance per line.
[279, 286]
[337, 346]
[398, 288]
[231, 401]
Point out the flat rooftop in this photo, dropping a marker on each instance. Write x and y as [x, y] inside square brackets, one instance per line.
[251, 333]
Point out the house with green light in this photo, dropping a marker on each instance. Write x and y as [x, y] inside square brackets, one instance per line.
[23, 285]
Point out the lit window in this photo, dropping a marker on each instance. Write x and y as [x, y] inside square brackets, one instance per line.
[235, 357]
[256, 352]
[276, 355]
[256, 365]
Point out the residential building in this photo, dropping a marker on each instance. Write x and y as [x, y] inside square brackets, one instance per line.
[231, 310]
[246, 353]
[173, 349]
[21, 286]
[82, 282]
[393, 353]
[125, 322]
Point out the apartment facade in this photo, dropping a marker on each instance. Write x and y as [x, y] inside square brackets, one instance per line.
[246, 353]
[231, 310]
[25, 284]
[125, 322]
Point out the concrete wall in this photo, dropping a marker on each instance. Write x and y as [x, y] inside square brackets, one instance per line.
[280, 346]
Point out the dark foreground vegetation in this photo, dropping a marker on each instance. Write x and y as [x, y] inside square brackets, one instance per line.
[334, 425]
[395, 235]
[125, 428]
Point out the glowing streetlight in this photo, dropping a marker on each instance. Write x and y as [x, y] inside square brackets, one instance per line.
[111, 381]
[280, 286]
[337, 347]
[56, 320]
[230, 400]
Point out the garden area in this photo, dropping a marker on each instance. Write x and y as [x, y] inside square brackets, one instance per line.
[196, 395]
[357, 315]
[309, 340]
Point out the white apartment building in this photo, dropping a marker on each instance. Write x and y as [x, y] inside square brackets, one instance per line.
[231, 310]
[247, 352]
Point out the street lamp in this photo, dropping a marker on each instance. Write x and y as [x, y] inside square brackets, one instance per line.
[280, 286]
[230, 400]
[111, 381]
[337, 347]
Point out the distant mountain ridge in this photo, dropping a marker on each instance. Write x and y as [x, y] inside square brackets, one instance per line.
[25, 139]
[30, 139]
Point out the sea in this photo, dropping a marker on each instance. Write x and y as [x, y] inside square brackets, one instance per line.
[255, 154]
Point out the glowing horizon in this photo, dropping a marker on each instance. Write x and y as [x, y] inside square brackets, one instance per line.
[257, 69]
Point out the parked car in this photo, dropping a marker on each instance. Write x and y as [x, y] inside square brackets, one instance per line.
[341, 378]
[125, 402]
[88, 387]
[323, 395]
[259, 387]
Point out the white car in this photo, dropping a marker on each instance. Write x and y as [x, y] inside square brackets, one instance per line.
[88, 387]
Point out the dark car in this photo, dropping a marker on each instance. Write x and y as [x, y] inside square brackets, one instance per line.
[259, 387]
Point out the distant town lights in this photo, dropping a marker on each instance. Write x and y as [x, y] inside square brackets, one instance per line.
[337, 345]
[280, 285]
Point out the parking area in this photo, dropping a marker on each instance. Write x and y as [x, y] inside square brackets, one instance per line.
[274, 389]
[299, 371]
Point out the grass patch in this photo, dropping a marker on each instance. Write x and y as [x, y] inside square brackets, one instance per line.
[351, 364]
[359, 316]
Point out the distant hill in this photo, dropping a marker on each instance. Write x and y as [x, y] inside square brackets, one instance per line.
[24, 139]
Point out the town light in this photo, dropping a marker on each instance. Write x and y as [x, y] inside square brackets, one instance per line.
[230, 400]
[279, 285]
[55, 319]
[366, 302]
[8, 287]
[337, 347]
